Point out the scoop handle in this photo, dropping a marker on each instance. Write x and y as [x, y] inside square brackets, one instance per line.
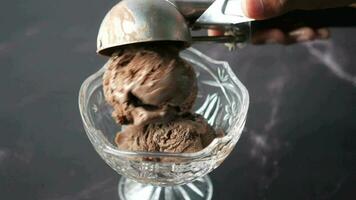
[331, 17]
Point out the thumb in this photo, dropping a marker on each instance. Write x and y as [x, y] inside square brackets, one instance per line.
[263, 9]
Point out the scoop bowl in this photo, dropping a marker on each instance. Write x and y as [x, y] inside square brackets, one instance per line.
[136, 21]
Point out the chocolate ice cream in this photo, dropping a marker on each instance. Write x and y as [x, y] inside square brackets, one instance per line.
[148, 84]
[152, 91]
[186, 134]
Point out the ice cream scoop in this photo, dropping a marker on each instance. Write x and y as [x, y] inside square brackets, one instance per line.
[137, 21]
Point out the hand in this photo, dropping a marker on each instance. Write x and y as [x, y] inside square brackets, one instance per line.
[275, 35]
[264, 9]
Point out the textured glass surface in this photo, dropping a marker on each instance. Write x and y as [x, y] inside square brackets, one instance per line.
[222, 100]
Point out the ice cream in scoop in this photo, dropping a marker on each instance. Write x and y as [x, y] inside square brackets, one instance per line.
[148, 84]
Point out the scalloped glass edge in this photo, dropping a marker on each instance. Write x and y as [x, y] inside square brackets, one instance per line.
[239, 123]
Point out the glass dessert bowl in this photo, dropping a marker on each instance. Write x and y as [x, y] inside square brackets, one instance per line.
[222, 99]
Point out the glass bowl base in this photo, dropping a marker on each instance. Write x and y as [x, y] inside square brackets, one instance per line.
[201, 189]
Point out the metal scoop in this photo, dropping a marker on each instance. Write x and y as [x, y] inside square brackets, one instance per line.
[137, 21]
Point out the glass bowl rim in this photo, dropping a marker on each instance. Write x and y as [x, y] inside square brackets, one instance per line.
[239, 123]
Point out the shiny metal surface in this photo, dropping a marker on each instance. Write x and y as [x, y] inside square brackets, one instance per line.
[223, 12]
[207, 12]
[134, 21]
[192, 9]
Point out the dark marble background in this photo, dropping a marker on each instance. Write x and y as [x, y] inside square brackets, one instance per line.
[299, 141]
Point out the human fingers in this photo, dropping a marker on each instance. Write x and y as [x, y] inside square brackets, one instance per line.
[302, 34]
[264, 9]
[215, 32]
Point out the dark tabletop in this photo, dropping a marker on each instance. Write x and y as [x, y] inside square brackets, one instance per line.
[299, 141]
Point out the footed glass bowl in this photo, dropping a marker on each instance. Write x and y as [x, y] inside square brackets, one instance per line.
[222, 99]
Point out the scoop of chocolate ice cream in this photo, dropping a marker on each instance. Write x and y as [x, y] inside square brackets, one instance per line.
[146, 84]
[185, 134]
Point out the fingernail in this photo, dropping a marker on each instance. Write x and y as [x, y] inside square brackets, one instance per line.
[298, 36]
[302, 35]
[215, 32]
[296, 33]
[323, 33]
[253, 8]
